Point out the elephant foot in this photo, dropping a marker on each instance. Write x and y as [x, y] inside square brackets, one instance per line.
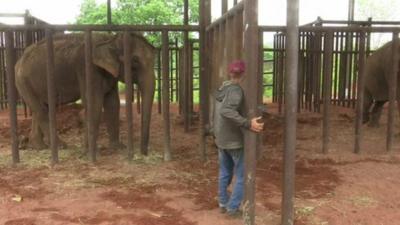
[116, 145]
[36, 144]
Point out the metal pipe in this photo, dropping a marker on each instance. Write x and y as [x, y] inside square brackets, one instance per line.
[101, 27]
[224, 7]
[392, 92]
[109, 21]
[51, 93]
[360, 94]
[204, 43]
[12, 94]
[89, 96]
[159, 80]
[292, 50]
[328, 60]
[251, 56]
[165, 95]
[128, 93]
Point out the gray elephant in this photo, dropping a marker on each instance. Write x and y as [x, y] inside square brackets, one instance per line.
[69, 55]
[376, 93]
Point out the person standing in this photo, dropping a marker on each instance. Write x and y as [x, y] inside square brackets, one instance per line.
[229, 120]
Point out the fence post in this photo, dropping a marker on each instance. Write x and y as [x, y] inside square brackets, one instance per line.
[292, 49]
[360, 93]
[51, 92]
[204, 44]
[392, 91]
[89, 96]
[12, 94]
[128, 93]
[165, 96]
[328, 51]
[251, 57]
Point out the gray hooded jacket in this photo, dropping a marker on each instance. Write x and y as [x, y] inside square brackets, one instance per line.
[228, 116]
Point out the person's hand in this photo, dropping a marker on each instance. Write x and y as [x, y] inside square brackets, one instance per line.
[255, 125]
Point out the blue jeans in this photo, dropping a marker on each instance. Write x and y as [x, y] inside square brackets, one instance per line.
[231, 163]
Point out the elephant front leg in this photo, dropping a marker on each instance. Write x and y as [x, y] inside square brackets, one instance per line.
[376, 114]
[36, 135]
[111, 118]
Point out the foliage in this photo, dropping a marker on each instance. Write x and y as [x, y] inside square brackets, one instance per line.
[144, 12]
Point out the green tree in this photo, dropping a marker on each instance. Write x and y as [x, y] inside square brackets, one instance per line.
[148, 12]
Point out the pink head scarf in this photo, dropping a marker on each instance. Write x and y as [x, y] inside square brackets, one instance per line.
[237, 66]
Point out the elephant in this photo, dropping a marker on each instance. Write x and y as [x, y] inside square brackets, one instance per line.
[69, 58]
[377, 77]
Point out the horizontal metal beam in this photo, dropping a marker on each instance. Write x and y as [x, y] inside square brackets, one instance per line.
[12, 14]
[233, 11]
[101, 27]
[361, 22]
[333, 29]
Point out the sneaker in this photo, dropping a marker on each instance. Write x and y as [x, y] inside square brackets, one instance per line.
[234, 214]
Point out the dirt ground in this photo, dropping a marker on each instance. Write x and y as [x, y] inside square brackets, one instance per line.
[340, 188]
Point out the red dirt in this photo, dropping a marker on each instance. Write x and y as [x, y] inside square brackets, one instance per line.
[335, 189]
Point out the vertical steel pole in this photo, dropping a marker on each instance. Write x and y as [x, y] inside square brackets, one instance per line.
[224, 6]
[12, 94]
[109, 21]
[360, 93]
[186, 110]
[89, 96]
[292, 49]
[250, 84]
[165, 95]
[392, 91]
[351, 10]
[128, 93]
[328, 56]
[51, 92]
[205, 19]
[159, 81]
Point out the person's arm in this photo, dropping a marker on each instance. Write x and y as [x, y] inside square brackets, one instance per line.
[231, 105]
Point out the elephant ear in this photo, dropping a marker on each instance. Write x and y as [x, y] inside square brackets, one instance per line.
[106, 57]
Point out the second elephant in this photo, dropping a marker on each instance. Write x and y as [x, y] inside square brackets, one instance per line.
[378, 71]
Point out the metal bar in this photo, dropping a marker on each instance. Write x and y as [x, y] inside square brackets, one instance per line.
[360, 95]
[328, 59]
[224, 7]
[159, 81]
[231, 12]
[102, 27]
[336, 52]
[12, 14]
[186, 110]
[51, 93]
[204, 45]
[393, 92]
[281, 73]
[177, 89]
[165, 95]
[128, 93]
[89, 96]
[12, 95]
[251, 57]
[109, 21]
[190, 82]
[355, 63]
[386, 29]
[292, 50]
[351, 10]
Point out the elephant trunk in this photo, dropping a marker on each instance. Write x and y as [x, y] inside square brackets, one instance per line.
[146, 85]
